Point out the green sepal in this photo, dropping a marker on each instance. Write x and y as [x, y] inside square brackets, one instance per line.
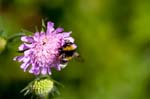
[43, 26]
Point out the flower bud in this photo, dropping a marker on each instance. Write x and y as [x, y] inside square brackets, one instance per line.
[42, 87]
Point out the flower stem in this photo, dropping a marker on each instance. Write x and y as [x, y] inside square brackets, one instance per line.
[46, 96]
[11, 38]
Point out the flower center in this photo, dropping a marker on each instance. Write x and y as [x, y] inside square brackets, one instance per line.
[46, 50]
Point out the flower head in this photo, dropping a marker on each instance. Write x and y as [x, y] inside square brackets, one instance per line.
[41, 86]
[42, 50]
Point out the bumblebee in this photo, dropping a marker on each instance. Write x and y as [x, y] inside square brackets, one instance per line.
[67, 52]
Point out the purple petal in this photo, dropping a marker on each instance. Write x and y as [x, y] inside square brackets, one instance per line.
[35, 70]
[36, 36]
[70, 39]
[19, 58]
[28, 52]
[59, 30]
[44, 70]
[24, 47]
[32, 69]
[49, 71]
[50, 27]
[63, 35]
[26, 59]
[58, 67]
[27, 39]
[35, 65]
[24, 66]
[42, 35]
[66, 34]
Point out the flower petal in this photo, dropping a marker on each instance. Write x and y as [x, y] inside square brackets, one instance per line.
[18, 58]
[26, 59]
[28, 52]
[25, 65]
[44, 70]
[36, 36]
[35, 70]
[32, 69]
[66, 34]
[59, 30]
[70, 39]
[57, 67]
[24, 47]
[49, 71]
[50, 27]
[27, 39]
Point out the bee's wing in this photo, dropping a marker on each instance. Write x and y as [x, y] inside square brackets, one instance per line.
[78, 57]
[63, 65]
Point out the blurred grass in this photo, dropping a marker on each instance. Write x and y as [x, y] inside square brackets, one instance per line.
[113, 37]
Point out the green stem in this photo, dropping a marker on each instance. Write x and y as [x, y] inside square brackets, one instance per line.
[46, 96]
[14, 36]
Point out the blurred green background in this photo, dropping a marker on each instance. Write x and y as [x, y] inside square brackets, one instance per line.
[113, 38]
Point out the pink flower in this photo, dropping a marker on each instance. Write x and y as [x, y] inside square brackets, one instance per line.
[41, 51]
